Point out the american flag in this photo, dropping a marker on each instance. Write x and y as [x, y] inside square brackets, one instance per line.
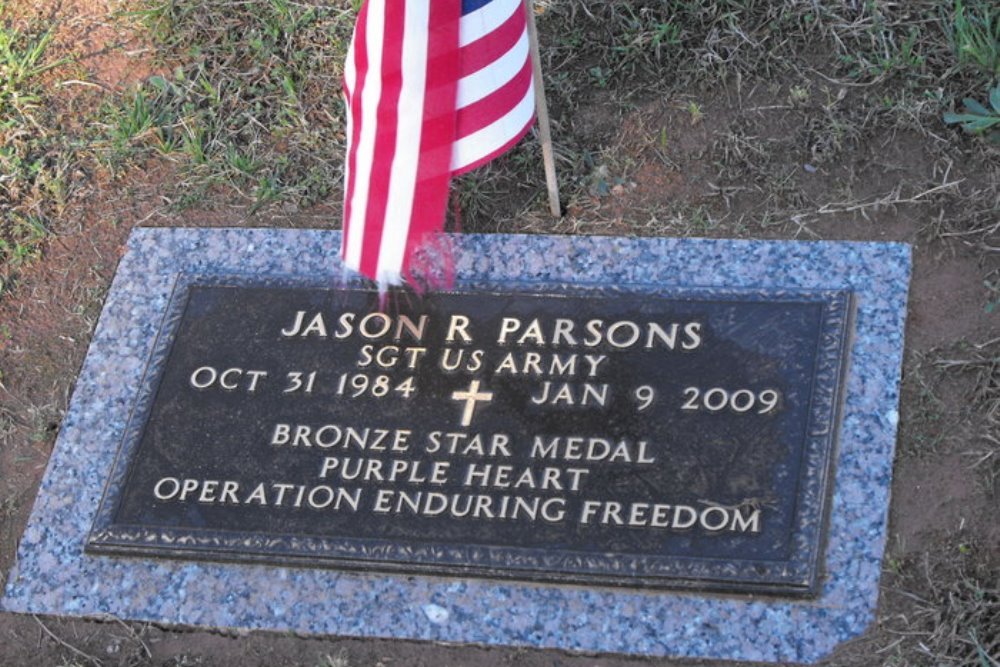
[434, 88]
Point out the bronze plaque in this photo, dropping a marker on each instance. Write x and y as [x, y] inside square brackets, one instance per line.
[638, 437]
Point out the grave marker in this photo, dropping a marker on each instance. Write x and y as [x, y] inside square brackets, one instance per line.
[746, 450]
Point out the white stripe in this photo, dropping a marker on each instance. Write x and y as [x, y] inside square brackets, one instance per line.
[347, 180]
[483, 142]
[406, 159]
[350, 80]
[350, 70]
[478, 85]
[486, 19]
[370, 95]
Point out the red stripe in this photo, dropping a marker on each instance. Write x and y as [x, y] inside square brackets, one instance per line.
[385, 139]
[497, 104]
[434, 170]
[354, 108]
[492, 45]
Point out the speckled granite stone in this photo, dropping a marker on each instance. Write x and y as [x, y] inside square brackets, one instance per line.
[53, 576]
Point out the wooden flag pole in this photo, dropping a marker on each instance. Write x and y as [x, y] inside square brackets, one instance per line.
[542, 111]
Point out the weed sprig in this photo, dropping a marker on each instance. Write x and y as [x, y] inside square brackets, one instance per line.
[977, 119]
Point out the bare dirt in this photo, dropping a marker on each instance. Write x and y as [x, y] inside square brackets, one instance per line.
[754, 163]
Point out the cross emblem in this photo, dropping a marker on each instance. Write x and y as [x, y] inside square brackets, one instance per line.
[471, 396]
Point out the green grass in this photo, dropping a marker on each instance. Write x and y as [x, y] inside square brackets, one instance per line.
[22, 59]
[251, 106]
[32, 186]
[976, 37]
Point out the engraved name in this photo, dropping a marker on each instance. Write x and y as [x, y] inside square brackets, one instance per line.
[554, 332]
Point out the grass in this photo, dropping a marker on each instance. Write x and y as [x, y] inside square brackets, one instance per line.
[250, 106]
[851, 71]
[971, 372]
[947, 600]
[339, 660]
[925, 422]
[955, 610]
[246, 107]
[245, 104]
[32, 164]
[981, 363]
[976, 35]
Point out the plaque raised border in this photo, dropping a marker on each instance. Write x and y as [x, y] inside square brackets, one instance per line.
[797, 576]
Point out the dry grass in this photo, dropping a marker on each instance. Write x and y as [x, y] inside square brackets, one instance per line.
[952, 616]
[851, 74]
[982, 362]
[946, 602]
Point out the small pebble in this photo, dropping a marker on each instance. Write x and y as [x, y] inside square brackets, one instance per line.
[436, 614]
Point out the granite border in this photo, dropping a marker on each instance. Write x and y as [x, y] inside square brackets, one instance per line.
[54, 576]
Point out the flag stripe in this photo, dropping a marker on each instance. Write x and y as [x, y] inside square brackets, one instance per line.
[384, 153]
[494, 106]
[496, 89]
[487, 143]
[370, 94]
[479, 84]
[358, 57]
[431, 192]
[482, 52]
[409, 126]
[482, 18]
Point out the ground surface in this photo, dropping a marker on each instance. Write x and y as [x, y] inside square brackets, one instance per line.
[795, 120]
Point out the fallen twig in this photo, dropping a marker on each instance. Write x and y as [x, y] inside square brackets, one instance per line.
[890, 199]
[72, 648]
